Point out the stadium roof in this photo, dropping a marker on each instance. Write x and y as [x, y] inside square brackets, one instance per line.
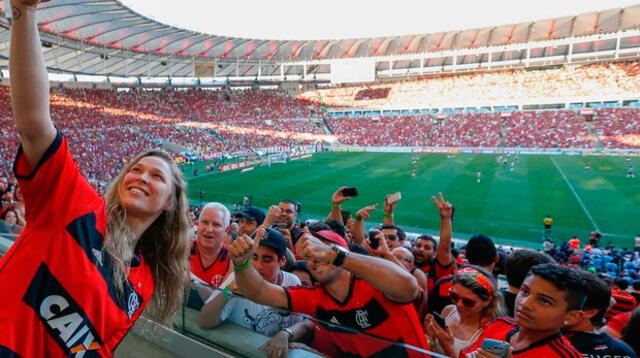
[110, 24]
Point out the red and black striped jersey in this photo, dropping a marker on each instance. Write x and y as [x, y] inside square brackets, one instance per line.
[435, 271]
[625, 302]
[58, 298]
[365, 310]
[503, 328]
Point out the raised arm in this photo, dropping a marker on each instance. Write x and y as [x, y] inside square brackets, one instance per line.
[363, 214]
[250, 284]
[395, 282]
[29, 82]
[443, 254]
[336, 200]
[387, 216]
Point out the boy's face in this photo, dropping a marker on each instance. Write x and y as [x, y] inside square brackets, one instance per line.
[541, 306]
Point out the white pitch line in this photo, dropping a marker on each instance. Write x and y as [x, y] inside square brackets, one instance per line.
[575, 194]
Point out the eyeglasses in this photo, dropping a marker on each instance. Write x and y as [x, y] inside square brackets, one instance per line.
[467, 302]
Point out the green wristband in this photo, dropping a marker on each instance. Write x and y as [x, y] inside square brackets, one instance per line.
[242, 267]
[226, 293]
[358, 218]
[387, 216]
[335, 205]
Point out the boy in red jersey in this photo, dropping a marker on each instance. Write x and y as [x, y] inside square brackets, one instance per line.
[84, 268]
[551, 297]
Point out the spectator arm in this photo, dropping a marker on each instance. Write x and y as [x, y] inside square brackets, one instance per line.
[395, 282]
[29, 85]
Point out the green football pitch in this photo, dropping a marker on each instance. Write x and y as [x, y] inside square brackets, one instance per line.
[506, 205]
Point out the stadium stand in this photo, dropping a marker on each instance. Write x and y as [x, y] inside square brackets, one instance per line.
[598, 80]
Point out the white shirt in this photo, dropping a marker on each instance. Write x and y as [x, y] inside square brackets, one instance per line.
[262, 319]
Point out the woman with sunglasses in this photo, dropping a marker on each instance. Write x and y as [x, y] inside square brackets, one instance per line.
[476, 301]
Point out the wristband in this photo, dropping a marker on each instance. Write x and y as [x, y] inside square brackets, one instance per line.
[226, 293]
[289, 332]
[243, 266]
[358, 218]
[387, 216]
[335, 205]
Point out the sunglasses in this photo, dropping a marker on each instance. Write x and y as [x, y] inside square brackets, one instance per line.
[391, 237]
[467, 302]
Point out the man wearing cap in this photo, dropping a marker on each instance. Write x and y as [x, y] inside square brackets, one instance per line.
[355, 294]
[250, 218]
[267, 260]
[209, 256]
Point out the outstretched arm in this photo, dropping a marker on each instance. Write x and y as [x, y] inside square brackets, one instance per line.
[395, 282]
[358, 228]
[443, 255]
[336, 200]
[29, 82]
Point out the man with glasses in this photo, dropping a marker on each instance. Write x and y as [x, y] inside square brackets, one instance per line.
[393, 235]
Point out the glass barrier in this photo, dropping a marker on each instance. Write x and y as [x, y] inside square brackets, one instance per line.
[9, 230]
[245, 328]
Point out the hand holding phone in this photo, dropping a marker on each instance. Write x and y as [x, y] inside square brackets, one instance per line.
[350, 192]
[392, 198]
[374, 242]
[439, 320]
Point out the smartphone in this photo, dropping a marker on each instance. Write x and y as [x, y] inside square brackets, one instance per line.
[350, 192]
[439, 320]
[281, 226]
[494, 346]
[394, 197]
[374, 242]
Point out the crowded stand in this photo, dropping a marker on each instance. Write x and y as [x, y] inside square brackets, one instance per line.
[108, 127]
[336, 287]
[612, 128]
[453, 90]
[570, 300]
[86, 267]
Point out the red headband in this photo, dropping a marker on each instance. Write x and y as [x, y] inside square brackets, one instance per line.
[479, 277]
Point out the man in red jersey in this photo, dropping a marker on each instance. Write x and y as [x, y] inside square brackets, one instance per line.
[550, 298]
[356, 294]
[433, 258]
[209, 257]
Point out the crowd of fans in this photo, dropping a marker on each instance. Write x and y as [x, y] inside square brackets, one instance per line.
[609, 128]
[107, 128]
[576, 299]
[458, 90]
[333, 287]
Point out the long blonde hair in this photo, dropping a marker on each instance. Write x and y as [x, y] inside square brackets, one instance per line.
[164, 245]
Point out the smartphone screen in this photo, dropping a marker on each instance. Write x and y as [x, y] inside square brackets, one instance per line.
[350, 192]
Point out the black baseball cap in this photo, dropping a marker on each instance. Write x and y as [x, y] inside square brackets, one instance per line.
[273, 239]
[252, 213]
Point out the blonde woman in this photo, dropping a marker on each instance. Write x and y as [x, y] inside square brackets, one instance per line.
[84, 268]
[476, 301]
